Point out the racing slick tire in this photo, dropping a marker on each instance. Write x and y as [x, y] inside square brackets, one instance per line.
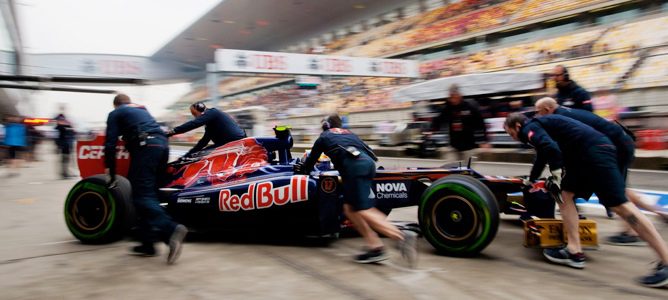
[458, 215]
[98, 214]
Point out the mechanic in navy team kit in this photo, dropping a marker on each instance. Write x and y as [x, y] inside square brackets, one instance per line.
[625, 145]
[149, 152]
[466, 126]
[356, 164]
[589, 162]
[569, 93]
[219, 127]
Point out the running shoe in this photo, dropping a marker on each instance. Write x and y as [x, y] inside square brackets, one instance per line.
[408, 248]
[658, 279]
[625, 239]
[563, 257]
[176, 243]
[371, 256]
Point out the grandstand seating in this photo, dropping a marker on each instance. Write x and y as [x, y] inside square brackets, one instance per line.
[598, 58]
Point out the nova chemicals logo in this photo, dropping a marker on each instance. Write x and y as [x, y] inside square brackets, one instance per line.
[391, 190]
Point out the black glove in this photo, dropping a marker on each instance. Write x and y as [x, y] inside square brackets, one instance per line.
[298, 168]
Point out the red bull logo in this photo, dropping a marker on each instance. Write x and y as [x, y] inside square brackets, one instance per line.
[538, 187]
[264, 195]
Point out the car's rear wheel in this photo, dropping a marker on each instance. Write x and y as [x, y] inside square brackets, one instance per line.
[458, 215]
[97, 214]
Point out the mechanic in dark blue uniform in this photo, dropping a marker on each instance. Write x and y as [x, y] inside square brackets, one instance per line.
[569, 93]
[149, 153]
[625, 145]
[565, 143]
[219, 127]
[356, 164]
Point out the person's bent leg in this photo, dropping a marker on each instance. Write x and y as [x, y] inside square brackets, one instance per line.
[644, 227]
[370, 237]
[378, 221]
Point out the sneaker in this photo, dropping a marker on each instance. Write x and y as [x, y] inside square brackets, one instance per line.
[658, 279]
[625, 239]
[563, 257]
[371, 256]
[146, 250]
[408, 248]
[176, 243]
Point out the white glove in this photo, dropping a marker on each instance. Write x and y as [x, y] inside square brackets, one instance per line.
[556, 177]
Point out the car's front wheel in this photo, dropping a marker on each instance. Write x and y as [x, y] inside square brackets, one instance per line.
[98, 214]
[458, 215]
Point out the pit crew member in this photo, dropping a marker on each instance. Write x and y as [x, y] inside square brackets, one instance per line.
[355, 162]
[219, 127]
[149, 153]
[625, 155]
[569, 93]
[589, 157]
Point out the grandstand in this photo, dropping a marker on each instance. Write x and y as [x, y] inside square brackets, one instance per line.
[606, 45]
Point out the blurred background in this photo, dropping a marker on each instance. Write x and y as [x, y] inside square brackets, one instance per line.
[71, 56]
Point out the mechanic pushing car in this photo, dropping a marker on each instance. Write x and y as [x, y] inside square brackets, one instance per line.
[569, 93]
[355, 162]
[219, 127]
[149, 152]
[625, 154]
[590, 162]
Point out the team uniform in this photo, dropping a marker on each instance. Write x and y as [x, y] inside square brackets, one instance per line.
[149, 152]
[465, 124]
[219, 127]
[588, 157]
[622, 141]
[574, 96]
[352, 158]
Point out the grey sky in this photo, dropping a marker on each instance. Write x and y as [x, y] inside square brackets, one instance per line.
[130, 27]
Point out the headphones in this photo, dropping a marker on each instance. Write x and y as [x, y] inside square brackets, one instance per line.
[199, 106]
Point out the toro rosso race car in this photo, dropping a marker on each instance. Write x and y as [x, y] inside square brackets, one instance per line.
[249, 185]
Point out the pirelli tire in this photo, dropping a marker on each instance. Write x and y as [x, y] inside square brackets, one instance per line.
[458, 215]
[97, 214]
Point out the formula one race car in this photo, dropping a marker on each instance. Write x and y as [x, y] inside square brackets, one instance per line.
[249, 185]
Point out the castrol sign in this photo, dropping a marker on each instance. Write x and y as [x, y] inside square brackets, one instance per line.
[90, 157]
[261, 195]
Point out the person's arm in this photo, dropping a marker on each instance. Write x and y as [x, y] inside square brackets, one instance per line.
[110, 140]
[192, 124]
[316, 151]
[582, 98]
[201, 144]
[547, 151]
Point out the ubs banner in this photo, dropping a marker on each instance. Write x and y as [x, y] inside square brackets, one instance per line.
[228, 60]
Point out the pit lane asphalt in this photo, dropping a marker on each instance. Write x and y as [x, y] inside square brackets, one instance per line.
[39, 258]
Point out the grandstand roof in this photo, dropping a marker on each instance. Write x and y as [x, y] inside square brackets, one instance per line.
[266, 25]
